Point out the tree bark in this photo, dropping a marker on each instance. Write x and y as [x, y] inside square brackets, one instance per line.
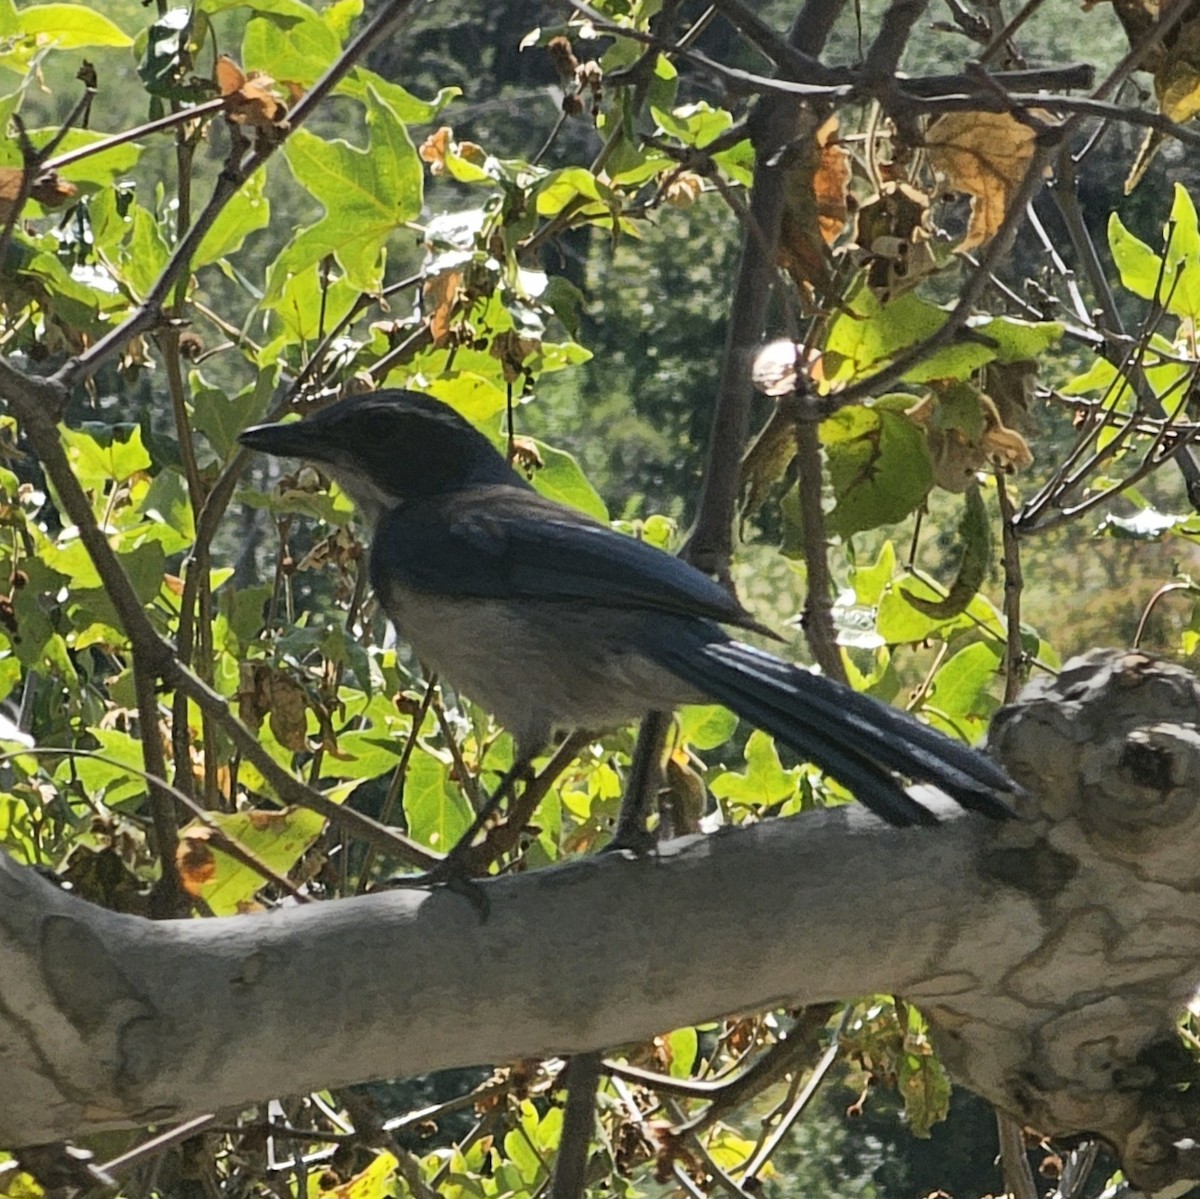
[1051, 954]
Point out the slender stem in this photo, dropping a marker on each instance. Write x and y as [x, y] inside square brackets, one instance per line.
[131, 135]
[580, 1076]
[818, 598]
[1014, 582]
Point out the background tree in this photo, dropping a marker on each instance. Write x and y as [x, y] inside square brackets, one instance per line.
[948, 370]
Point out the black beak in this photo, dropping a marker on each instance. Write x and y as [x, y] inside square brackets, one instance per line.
[291, 440]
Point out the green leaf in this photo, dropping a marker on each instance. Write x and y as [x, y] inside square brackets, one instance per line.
[560, 478]
[472, 396]
[71, 26]
[436, 811]
[682, 1047]
[869, 581]
[220, 416]
[144, 253]
[341, 15]
[706, 726]
[693, 124]
[899, 623]
[367, 194]
[289, 46]
[925, 1088]
[564, 187]
[277, 839]
[866, 334]
[166, 508]
[961, 687]
[104, 780]
[293, 10]
[1182, 251]
[519, 1149]
[105, 457]
[764, 781]
[879, 467]
[305, 307]
[248, 211]
[407, 107]
[1140, 268]
[91, 173]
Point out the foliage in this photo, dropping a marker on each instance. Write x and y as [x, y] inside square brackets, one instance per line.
[374, 243]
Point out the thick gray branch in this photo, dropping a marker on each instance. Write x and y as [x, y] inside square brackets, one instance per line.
[1050, 954]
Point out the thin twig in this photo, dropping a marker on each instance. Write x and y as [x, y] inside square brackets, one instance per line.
[1014, 582]
[580, 1076]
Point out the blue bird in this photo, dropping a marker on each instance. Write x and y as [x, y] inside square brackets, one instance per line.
[552, 621]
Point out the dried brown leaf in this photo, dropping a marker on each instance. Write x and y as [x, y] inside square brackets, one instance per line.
[249, 99]
[194, 860]
[984, 155]
[289, 712]
[816, 181]
[442, 294]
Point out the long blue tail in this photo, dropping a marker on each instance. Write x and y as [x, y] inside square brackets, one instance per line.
[850, 736]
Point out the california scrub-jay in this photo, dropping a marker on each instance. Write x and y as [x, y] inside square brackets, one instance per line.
[552, 621]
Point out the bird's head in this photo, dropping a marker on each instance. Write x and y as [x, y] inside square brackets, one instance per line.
[387, 447]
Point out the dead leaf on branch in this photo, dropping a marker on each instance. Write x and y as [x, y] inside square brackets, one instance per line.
[250, 99]
[984, 155]
[275, 695]
[1177, 89]
[966, 434]
[443, 293]
[893, 233]
[816, 181]
[48, 189]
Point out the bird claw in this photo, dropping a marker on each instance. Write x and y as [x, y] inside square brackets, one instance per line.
[452, 873]
[634, 839]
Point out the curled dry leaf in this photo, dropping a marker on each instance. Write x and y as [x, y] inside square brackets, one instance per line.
[437, 148]
[984, 155]
[194, 860]
[434, 148]
[893, 234]
[289, 712]
[48, 189]
[683, 189]
[526, 456]
[249, 99]
[442, 294]
[966, 433]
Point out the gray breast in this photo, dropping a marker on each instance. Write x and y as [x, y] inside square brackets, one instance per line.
[538, 666]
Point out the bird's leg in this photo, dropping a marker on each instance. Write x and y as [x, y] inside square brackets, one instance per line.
[454, 869]
[456, 864]
[645, 777]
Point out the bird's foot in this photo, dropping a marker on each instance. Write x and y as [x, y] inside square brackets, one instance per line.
[635, 839]
[453, 873]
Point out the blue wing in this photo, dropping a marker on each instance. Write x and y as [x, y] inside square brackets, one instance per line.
[506, 542]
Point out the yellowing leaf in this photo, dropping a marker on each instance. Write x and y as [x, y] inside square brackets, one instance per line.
[1177, 81]
[985, 155]
[1177, 87]
[371, 1183]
